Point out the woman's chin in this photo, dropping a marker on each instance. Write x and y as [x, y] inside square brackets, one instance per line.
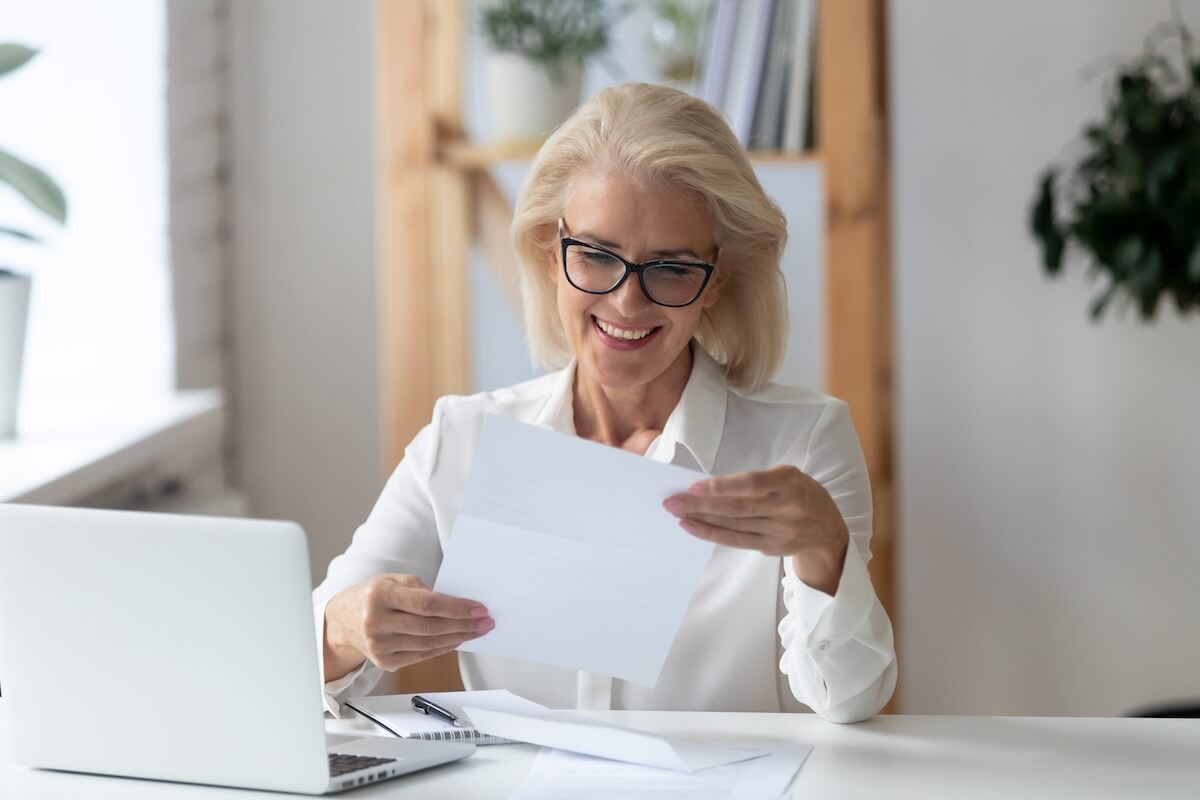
[622, 370]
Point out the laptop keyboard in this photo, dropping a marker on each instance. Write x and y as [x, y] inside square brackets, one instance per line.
[340, 764]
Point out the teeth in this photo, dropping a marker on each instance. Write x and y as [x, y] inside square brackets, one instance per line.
[622, 333]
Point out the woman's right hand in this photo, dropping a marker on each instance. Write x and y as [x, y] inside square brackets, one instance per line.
[394, 621]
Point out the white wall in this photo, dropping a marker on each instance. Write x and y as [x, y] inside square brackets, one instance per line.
[1049, 469]
[307, 413]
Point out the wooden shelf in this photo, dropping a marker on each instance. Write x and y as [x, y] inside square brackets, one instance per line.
[469, 156]
[782, 157]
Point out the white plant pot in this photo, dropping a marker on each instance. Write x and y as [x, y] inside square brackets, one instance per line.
[526, 101]
[14, 310]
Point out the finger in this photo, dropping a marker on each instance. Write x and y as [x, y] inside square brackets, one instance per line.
[756, 483]
[404, 643]
[729, 538]
[390, 652]
[411, 581]
[687, 505]
[762, 526]
[394, 622]
[425, 603]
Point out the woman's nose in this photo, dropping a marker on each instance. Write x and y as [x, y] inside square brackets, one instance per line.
[629, 299]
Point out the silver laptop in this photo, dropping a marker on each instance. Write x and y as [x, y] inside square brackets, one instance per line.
[173, 648]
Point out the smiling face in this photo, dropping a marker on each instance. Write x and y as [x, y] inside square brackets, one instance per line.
[622, 339]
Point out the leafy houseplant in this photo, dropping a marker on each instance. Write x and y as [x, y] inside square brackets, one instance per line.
[550, 33]
[44, 194]
[538, 49]
[36, 186]
[1131, 204]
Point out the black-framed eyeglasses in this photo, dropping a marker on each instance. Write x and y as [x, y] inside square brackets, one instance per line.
[596, 270]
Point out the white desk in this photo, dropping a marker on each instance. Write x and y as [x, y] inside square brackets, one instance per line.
[887, 758]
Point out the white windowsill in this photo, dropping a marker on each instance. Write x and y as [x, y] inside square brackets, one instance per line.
[59, 463]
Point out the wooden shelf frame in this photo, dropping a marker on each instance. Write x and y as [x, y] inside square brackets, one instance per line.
[437, 196]
[469, 156]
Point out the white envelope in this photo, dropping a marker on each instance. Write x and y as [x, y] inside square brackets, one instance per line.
[565, 730]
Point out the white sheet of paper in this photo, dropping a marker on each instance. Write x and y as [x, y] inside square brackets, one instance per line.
[567, 544]
[565, 730]
[557, 774]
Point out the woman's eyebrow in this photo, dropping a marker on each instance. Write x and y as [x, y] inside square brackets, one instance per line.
[590, 237]
[674, 254]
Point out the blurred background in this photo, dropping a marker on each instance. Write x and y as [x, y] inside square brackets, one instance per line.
[282, 236]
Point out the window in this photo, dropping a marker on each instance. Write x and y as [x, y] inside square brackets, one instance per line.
[90, 109]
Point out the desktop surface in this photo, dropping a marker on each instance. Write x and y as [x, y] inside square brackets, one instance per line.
[900, 756]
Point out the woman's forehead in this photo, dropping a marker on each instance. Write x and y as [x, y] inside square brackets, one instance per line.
[611, 207]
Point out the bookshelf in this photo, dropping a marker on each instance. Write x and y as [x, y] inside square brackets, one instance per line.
[437, 197]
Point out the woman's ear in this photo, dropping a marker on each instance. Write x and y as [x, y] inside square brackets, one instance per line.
[712, 292]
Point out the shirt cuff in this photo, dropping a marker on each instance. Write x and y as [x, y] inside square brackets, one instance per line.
[831, 645]
[331, 689]
[334, 688]
[823, 621]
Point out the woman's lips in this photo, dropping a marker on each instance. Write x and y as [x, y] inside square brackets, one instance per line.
[623, 344]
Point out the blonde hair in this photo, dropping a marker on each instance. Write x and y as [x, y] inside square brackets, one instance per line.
[664, 136]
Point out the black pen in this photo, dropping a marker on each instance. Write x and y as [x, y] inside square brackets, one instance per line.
[430, 707]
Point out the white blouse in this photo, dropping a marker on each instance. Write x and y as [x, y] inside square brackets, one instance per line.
[750, 611]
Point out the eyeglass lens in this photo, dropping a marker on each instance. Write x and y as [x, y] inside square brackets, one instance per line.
[596, 271]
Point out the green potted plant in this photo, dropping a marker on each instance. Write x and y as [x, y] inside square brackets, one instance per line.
[1130, 205]
[535, 64]
[43, 193]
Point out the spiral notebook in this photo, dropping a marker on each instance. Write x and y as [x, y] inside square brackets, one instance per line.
[395, 713]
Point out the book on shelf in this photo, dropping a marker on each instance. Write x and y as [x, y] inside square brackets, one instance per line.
[757, 68]
[797, 126]
[718, 46]
[766, 133]
[746, 66]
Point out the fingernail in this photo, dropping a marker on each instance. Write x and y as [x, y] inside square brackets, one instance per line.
[673, 505]
[697, 489]
[687, 526]
[478, 611]
[486, 625]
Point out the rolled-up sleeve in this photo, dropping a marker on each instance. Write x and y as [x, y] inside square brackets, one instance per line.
[399, 536]
[838, 652]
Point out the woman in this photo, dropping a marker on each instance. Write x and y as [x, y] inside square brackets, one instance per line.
[651, 279]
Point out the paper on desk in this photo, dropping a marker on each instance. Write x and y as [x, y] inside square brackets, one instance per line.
[565, 730]
[567, 544]
[557, 774]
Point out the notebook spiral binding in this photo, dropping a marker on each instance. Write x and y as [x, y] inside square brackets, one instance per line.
[462, 735]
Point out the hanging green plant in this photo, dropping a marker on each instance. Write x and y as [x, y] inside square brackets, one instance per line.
[1130, 205]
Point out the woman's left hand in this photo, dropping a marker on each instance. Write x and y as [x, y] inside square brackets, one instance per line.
[779, 512]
